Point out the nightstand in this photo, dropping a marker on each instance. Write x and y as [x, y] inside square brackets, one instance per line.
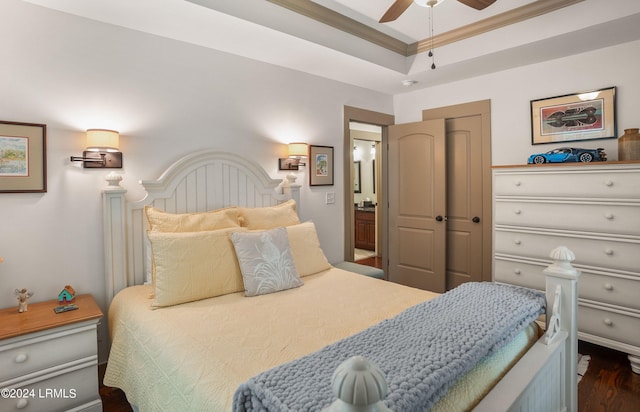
[49, 361]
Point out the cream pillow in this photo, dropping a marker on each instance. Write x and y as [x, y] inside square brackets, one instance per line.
[191, 222]
[265, 261]
[260, 218]
[194, 265]
[305, 248]
[162, 221]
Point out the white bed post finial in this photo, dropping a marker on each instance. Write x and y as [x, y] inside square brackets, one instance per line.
[359, 386]
[291, 189]
[562, 278]
[114, 180]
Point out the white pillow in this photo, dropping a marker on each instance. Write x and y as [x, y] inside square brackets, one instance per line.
[265, 261]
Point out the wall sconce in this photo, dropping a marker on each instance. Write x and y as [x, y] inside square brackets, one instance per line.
[297, 151]
[102, 150]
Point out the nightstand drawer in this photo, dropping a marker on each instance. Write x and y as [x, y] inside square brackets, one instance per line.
[75, 388]
[587, 217]
[19, 356]
[608, 324]
[613, 254]
[606, 184]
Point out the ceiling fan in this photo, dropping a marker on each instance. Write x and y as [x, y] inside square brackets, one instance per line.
[399, 7]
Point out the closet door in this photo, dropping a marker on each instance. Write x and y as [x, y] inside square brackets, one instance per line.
[417, 204]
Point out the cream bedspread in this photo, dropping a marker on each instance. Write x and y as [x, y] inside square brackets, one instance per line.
[192, 357]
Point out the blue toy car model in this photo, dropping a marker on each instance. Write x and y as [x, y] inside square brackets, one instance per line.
[569, 154]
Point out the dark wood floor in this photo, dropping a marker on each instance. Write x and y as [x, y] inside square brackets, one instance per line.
[608, 384]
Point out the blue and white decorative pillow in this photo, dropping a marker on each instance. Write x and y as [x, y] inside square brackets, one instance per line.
[266, 262]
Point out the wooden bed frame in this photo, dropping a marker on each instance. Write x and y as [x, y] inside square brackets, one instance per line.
[545, 378]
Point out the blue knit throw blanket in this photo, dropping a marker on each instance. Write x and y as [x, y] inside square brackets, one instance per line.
[421, 352]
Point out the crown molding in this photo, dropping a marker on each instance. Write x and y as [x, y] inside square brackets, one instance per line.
[348, 25]
[517, 15]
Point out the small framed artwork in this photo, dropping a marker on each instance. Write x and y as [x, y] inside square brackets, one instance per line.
[320, 165]
[288, 163]
[23, 157]
[580, 116]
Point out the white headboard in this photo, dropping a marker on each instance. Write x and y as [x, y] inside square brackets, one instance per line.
[202, 181]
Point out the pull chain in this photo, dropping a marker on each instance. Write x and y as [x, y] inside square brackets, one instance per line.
[430, 54]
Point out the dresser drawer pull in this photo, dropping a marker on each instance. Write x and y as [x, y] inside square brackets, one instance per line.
[609, 183]
[517, 271]
[517, 241]
[21, 358]
[608, 286]
[22, 403]
[517, 211]
[608, 216]
[608, 322]
[517, 183]
[608, 252]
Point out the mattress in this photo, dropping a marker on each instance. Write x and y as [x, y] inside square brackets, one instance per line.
[193, 356]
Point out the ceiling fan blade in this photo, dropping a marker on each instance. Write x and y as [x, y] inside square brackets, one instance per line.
[477, 4]
[396, 9]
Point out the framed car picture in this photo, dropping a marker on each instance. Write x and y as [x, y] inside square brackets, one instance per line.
[320, 165]
[573, 117]
[23, 157]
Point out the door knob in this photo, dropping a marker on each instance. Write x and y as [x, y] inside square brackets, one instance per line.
[475, 219]
[439, 218]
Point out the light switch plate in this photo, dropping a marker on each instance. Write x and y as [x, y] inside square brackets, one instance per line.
[330, 198]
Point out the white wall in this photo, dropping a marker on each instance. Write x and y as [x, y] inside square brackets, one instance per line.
[511, 91]
[167, 99]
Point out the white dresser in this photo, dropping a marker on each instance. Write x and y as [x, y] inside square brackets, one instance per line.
[594, 210]
[48, 361]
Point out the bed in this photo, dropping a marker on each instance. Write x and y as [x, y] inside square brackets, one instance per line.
[195, 347]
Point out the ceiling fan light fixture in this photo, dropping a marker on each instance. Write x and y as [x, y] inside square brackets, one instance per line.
[428, 3]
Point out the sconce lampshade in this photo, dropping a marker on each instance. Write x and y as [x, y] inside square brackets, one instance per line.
[298, 150]
[104, 139]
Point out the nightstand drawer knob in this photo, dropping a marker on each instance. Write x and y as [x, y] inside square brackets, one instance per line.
[517, 271]
[608, 216]
[608, 322]
[609, 252]
[517, 183]
[517, 211]
[22, 403]
[609, 183]
[21, 358]
[608, 286]
[517, 241]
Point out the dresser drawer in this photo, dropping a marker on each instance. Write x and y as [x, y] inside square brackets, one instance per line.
[19, 357]
[584, 217]
[614, 290]
[519, 273]
[560, 182]
[77, 388]
[607, 253]
[608, 324]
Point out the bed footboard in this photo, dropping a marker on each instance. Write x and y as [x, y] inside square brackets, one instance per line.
[544, 379]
